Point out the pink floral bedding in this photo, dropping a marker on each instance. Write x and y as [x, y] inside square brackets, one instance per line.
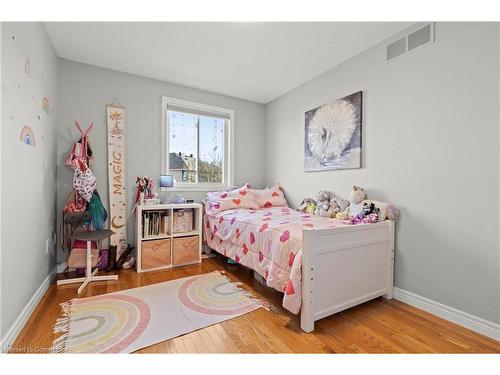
[269, 241]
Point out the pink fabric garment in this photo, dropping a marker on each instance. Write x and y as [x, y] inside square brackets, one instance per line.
[269, 241]
[84, 181]
[79, 150]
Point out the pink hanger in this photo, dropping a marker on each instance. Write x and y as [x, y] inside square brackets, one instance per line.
[84, 134]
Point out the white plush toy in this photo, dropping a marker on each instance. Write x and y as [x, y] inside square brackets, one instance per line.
[356, 197]
[343, 209]
[329, 206]
[323, 207]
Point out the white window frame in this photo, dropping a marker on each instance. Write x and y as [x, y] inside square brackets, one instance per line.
[228, 171]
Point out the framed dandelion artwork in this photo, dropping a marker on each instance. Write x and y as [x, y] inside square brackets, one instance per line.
[333, 135]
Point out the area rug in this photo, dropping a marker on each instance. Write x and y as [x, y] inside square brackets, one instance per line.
[126, 321]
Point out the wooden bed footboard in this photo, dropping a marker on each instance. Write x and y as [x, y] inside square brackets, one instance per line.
[343, 267]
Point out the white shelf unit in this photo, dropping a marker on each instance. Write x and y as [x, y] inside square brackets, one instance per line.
[167, 250]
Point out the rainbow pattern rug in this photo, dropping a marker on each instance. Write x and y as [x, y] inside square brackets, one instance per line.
[126, 321]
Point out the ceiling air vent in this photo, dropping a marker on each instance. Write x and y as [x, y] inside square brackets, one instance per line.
[415, 39]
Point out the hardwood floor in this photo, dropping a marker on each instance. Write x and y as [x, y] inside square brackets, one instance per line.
[378, 326]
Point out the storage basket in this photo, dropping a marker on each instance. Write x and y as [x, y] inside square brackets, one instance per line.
[182, 221]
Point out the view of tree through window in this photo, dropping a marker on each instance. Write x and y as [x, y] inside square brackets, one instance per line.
[196, 148]
[211, 156]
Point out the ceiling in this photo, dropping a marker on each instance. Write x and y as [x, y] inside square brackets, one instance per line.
[256, 61]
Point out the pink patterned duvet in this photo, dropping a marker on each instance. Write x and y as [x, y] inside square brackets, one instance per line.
[269, 241]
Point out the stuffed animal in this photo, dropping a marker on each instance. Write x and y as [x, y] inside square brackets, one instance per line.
[343, 204]
[356, 195]
[368, 214]
[328, 206]
[308, 206]
[323, 204]
[369, 208]
[343, 215]
[310, 209]
[334, 208]
[392, 212]
[371, 218]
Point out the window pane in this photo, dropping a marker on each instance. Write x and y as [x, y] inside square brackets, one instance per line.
[211, 150]
[182, 146]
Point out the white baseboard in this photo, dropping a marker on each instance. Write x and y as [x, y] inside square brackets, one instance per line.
[21, 320]
[459, 317]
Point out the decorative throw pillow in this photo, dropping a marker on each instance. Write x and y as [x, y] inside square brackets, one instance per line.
[228, 200]
[215, 195]
[271, 197]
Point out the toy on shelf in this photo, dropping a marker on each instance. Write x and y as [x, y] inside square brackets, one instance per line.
[178, 199]
[144, 192]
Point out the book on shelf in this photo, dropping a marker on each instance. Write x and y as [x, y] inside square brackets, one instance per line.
[154, 224]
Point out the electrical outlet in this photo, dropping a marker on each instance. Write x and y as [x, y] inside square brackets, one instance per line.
[47, 244]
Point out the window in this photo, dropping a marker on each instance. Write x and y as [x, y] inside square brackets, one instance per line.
[197, 145]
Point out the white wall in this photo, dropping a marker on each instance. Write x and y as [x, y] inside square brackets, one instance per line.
[430, 145]
[85, 91]
[28, 173]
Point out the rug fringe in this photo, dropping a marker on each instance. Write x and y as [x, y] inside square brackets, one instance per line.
[260, 301]
[62, 326]
[59, 345]
[238, 284]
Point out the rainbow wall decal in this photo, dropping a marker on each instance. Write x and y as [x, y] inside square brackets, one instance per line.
[45, 105]
[27, 136]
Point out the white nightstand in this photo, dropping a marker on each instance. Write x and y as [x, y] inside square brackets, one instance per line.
[158, 245]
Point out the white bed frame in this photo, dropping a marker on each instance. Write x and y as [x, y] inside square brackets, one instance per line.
[343, 267]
